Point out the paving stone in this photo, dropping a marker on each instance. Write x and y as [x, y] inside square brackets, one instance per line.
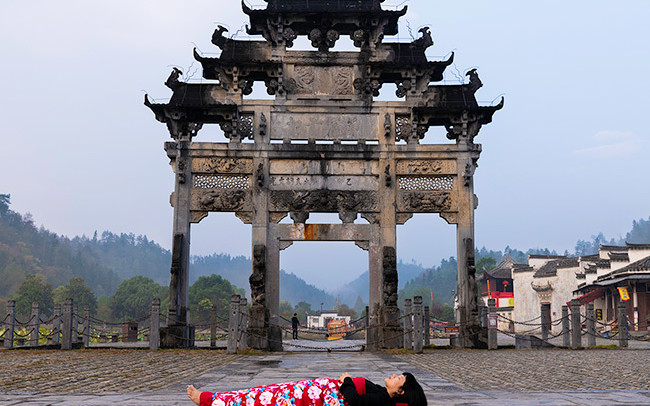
[449, 377]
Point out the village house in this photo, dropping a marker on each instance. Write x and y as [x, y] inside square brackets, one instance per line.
[616, 273]
[497, 284]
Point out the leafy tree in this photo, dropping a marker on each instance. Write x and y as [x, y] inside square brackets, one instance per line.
[34, 289]
[81, 295]
[303, 309]
[286, 310]
[133, 297]
[5, 201]
[217, 291]
[640, 233]
[447, 313]
[485, 263]
[344, 310]
[359, 305]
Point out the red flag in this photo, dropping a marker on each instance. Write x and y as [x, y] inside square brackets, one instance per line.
[431, 297]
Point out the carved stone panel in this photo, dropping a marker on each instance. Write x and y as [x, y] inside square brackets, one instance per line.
[222, 165]
[221, 200]
[323, 201]
[352, 183]
[324, 126]
[426, 167]
[425, 201]
[321, 80]
[323, 167]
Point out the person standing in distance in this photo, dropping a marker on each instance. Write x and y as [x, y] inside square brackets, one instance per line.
[294, 325]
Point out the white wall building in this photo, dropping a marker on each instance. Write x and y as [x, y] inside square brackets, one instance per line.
[321, 318]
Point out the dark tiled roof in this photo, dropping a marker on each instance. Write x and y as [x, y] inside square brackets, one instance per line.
[603, 263]
[504, 269]
[619, 257]
[614, 248]
[550, 268]
[638, 266]
[591, 269]
[638, 246]
[546, 256]
[522, 268]
[594, 257]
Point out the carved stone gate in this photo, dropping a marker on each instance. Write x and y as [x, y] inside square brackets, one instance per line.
[324, 144]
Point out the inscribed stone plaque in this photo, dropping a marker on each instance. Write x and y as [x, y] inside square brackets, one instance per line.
[426, 167]
[316, 182]
[324, 126]
[323, 167]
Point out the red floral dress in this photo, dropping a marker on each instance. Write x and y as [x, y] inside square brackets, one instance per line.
[313, 392]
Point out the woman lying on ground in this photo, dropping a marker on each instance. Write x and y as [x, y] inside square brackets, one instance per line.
[399, 390]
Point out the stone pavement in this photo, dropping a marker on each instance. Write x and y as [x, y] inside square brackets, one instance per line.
[449, 377]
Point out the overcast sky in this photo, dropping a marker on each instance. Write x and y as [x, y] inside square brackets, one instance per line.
[566, 158]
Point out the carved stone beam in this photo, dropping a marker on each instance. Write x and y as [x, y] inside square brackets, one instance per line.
[348, 217]
[285, 244]
[299, 216]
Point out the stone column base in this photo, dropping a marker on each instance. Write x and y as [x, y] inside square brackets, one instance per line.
[258, 330]
[391, 334]
[473, 336]
[177, 336]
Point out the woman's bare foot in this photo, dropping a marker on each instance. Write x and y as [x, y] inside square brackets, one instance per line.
[194, 394]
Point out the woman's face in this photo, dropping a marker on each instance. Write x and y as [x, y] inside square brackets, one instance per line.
[394, 383]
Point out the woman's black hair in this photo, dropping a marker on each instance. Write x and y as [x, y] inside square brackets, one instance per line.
[413, 393]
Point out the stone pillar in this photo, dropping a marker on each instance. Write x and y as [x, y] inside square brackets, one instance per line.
[154, 325]
[622, 325]
[427, 326]
[591, 326]
[66, 336]
[177, 333]
[34, 325]
[86, 330]
[492, 324]
[259, 314]
[233, 325]
[390, 332]
[471, 335]
[374, 294]
[483, 313]
[372, 334]
[566, 330]
[10, 322]
[544, 321]
[408, 326]
[75, 322]
[213, 327]
[417, 325]
[367, 321]
[273, 294]
[576, 331]
[242, 343]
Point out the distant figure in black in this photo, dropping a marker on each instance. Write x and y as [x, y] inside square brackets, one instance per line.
[294, 325]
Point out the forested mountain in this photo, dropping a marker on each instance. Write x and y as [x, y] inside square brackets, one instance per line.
[359, 286]
[25, 249]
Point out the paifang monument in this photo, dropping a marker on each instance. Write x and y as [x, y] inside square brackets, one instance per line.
[323, 144]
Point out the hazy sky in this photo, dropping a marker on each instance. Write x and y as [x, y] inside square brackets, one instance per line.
[567, 157]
